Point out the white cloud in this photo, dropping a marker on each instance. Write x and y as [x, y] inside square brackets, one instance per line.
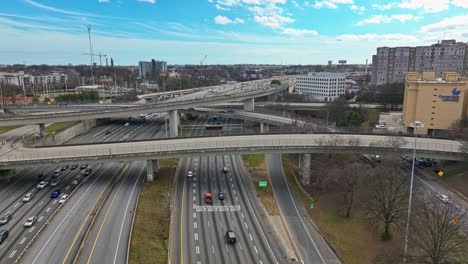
[299, 32]
[332, 4]
[104, 1]
[448, 24]
[222, 20]
[57, 10]
[383, 7]
[274, 21]
[460, 3]
[382, 38]
[239, 21]
[147, 1]
[378, 19]
[252, 2]
[430, 6]
[358, 8]
[219, 7]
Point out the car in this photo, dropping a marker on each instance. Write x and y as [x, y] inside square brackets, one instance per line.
[376, 158]
[380, 126]
[57, 171]
[225, 169]
[231, 237]
[190, 174]
[73, 166]
[83, 166]
[108, 132]
[87, 171]
[41, 176]
[64, 168]
[42, 185]
[63, 199]
[208, 198]
[5, 218]
[3, 235]
[126, 124]
[444, 198]
[221, 195]
[55, 194]
[30, 221]
[55, 182]
[28, 197]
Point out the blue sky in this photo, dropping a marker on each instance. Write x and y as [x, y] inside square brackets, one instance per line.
[228, 31]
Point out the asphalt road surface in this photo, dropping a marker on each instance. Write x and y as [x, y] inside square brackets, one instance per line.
[307, 240]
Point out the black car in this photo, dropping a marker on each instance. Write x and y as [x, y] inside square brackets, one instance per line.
[40, 176]
[221, 195]
[83, 166]
[108, 132]
[5, 218]
[64, 167]
[231, 237]
[87, 172]
[3, 235]
[73, 166]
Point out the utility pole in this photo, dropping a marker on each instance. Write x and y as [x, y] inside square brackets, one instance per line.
[1, 95]
[91, 52]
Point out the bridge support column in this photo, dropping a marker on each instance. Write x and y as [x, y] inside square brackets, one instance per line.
[174, 123]
[304, 161]
[41, 130]
[264, 127]
[152, 166]
[249, 105]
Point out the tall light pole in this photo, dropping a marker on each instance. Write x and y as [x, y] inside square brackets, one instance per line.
[414, 125]
[91, 52]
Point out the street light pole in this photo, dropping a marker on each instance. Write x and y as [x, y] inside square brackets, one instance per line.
[416, 125]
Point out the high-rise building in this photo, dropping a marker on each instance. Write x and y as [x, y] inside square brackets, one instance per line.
[390, 65]
[151, 69]
[324, 86]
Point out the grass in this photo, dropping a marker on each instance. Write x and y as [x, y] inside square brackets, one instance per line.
[354, 241]
[373, 116]
[59, 126]
[7, 128]
[150, 236]
[255, 160]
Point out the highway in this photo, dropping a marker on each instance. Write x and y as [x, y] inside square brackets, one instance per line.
[308, 241]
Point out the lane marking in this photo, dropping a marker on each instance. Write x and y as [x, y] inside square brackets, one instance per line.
[197, 250]
[195, 225]
[212, 248]
[196, 236]
[40, 218]
[12, 254]
[250, 237]
[194, 215]
[22, 240]
[54, 202]
[245, 223]
[68, 187]
[255, 247]
[48, 209]
[41, 203]
[32, 229]
[16, 205]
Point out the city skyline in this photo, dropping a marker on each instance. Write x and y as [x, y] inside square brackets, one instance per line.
[228, 31]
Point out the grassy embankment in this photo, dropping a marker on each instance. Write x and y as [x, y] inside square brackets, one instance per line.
[59, 126]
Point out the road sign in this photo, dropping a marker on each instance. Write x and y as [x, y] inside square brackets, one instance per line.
[311, 205]
[440, 173]
[262, 184]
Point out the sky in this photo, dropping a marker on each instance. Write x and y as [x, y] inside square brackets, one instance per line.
[227, 31]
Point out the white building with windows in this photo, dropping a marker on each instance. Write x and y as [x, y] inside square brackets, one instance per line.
[324, 86]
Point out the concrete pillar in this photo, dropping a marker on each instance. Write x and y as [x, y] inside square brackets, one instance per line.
[152, 166]
[249, 105]
[264, 127]
[173, 123]
[305, 168]
[41, 130]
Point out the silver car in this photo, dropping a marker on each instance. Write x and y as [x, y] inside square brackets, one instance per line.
[30, 221]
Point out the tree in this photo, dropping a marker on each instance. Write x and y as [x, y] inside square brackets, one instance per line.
[387, 199]
[276, 82]
[436, 234]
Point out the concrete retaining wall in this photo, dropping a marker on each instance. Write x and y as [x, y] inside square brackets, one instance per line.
[68, 133]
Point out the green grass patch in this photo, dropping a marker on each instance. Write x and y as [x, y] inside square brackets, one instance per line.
[59, 126]
[150, 236]
[7, 128]
[255, 160]
[373, 116]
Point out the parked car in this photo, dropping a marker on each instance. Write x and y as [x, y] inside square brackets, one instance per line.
[444, 198]
[3, 235]
[30, 221]
[73, 166]
[63, 199]
[4, 219]
[55, 194]
[42, 185]
[231, 237]
[221, 195]
[28, 197]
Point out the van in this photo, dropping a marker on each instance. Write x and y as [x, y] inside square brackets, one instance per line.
[231, 237]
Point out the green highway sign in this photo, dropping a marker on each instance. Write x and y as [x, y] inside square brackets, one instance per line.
[262, 184]
[311, 205]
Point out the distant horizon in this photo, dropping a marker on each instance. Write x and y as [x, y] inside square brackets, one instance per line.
[204, 65]
[274, 32]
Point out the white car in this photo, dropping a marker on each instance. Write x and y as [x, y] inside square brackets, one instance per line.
[126, 124]
[380, 126]
[30, 221]
[27, 197]
[42, 184]
[190, 174]
[443, 198]
[63, 199]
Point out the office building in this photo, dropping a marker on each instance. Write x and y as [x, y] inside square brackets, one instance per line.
[324, 86]
[438, 103]
[151, 69]
[390, 65]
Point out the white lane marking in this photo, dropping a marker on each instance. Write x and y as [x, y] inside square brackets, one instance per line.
[41, 203]
[234, 191]
[196, 236]
[242, 214]
[245, 223]
[68, 187]
[12, 254]
[212, 248]
[208, 223]
[250, 237]
[16, 205]
[194, 215]
[194, 191]
[126, 213]
[237, 199]
[48, 209]
[195, 225]
[22, 240]
[40, 218]
[198, 262]
[54, 202]
[194, 198]
[232, 185]
[32, 229]
[261, 262]
[197, 250]
[240, 245]
[3, 244]
[255, 247]
[194, 184]
[12, 198]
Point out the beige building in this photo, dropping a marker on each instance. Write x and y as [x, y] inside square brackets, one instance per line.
[437, 103]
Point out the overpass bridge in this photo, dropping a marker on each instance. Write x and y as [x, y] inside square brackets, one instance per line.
[152, 150]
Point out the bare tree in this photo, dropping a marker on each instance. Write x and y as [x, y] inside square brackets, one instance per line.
[387, 199]
[436, 235]
[345, 181]
[395, 142]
